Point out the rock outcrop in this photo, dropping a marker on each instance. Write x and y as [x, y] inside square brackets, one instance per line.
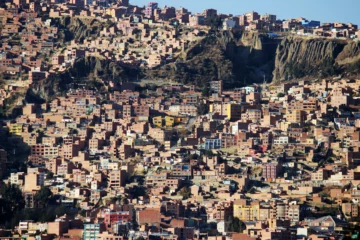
[106, 70]
[236, 58]
[74, 28]
[91, 71]
[45, 90]
[298, 57]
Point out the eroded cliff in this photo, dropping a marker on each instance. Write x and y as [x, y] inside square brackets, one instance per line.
[74, 28]
[298, 57]
[90, 71]
[236, 58]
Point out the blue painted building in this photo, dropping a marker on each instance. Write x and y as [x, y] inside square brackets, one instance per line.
[212, 144]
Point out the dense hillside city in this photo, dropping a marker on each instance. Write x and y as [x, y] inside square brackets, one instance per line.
[146, 122]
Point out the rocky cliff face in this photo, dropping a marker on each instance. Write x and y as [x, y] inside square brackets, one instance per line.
[79, 28]
[91, 71]
[252, 57]
[244, 58]
[99, 68]
[45, 90]
[299, 57]
[236, 58]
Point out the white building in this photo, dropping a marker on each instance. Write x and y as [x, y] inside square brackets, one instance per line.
[281, 140]
[228, 24]
[221, 227]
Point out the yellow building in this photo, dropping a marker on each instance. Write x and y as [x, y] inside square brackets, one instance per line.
[295, 116]
[246, 212]
[220, 108]
[169, 121]
[284, 125]
[16, 129]
[158, 121]
[232, 111]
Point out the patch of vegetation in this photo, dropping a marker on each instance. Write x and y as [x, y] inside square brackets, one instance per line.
[203, 108]
[185, 192]
[234, 224]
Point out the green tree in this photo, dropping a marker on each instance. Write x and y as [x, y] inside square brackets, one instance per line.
[60, 210]
[280, 94]
[205, 91]
[209, 153]
[49, 175]
[327, 67]
[185, 192]
[82, 213]
[234, 225]
[203, 109]
[42, 197]
[11, 202]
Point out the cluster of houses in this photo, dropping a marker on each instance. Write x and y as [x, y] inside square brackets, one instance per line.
[173, 162]
[33, 47]
[283, 160]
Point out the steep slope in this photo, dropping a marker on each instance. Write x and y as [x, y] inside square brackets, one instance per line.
[299, 57]
[71, 28]
[49, 88]
[96, 68]
[91, 71]
[236, 58]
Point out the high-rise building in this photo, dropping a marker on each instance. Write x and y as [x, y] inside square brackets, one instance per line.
[271, 18]
[91, 231]
[117, 178]
[34, 181]
[252, 16]
[208, 13]
[216, 86]
[294, 214]
[271, 171]
[246, 212]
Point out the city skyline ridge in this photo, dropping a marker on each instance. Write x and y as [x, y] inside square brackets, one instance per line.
[321, 10]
